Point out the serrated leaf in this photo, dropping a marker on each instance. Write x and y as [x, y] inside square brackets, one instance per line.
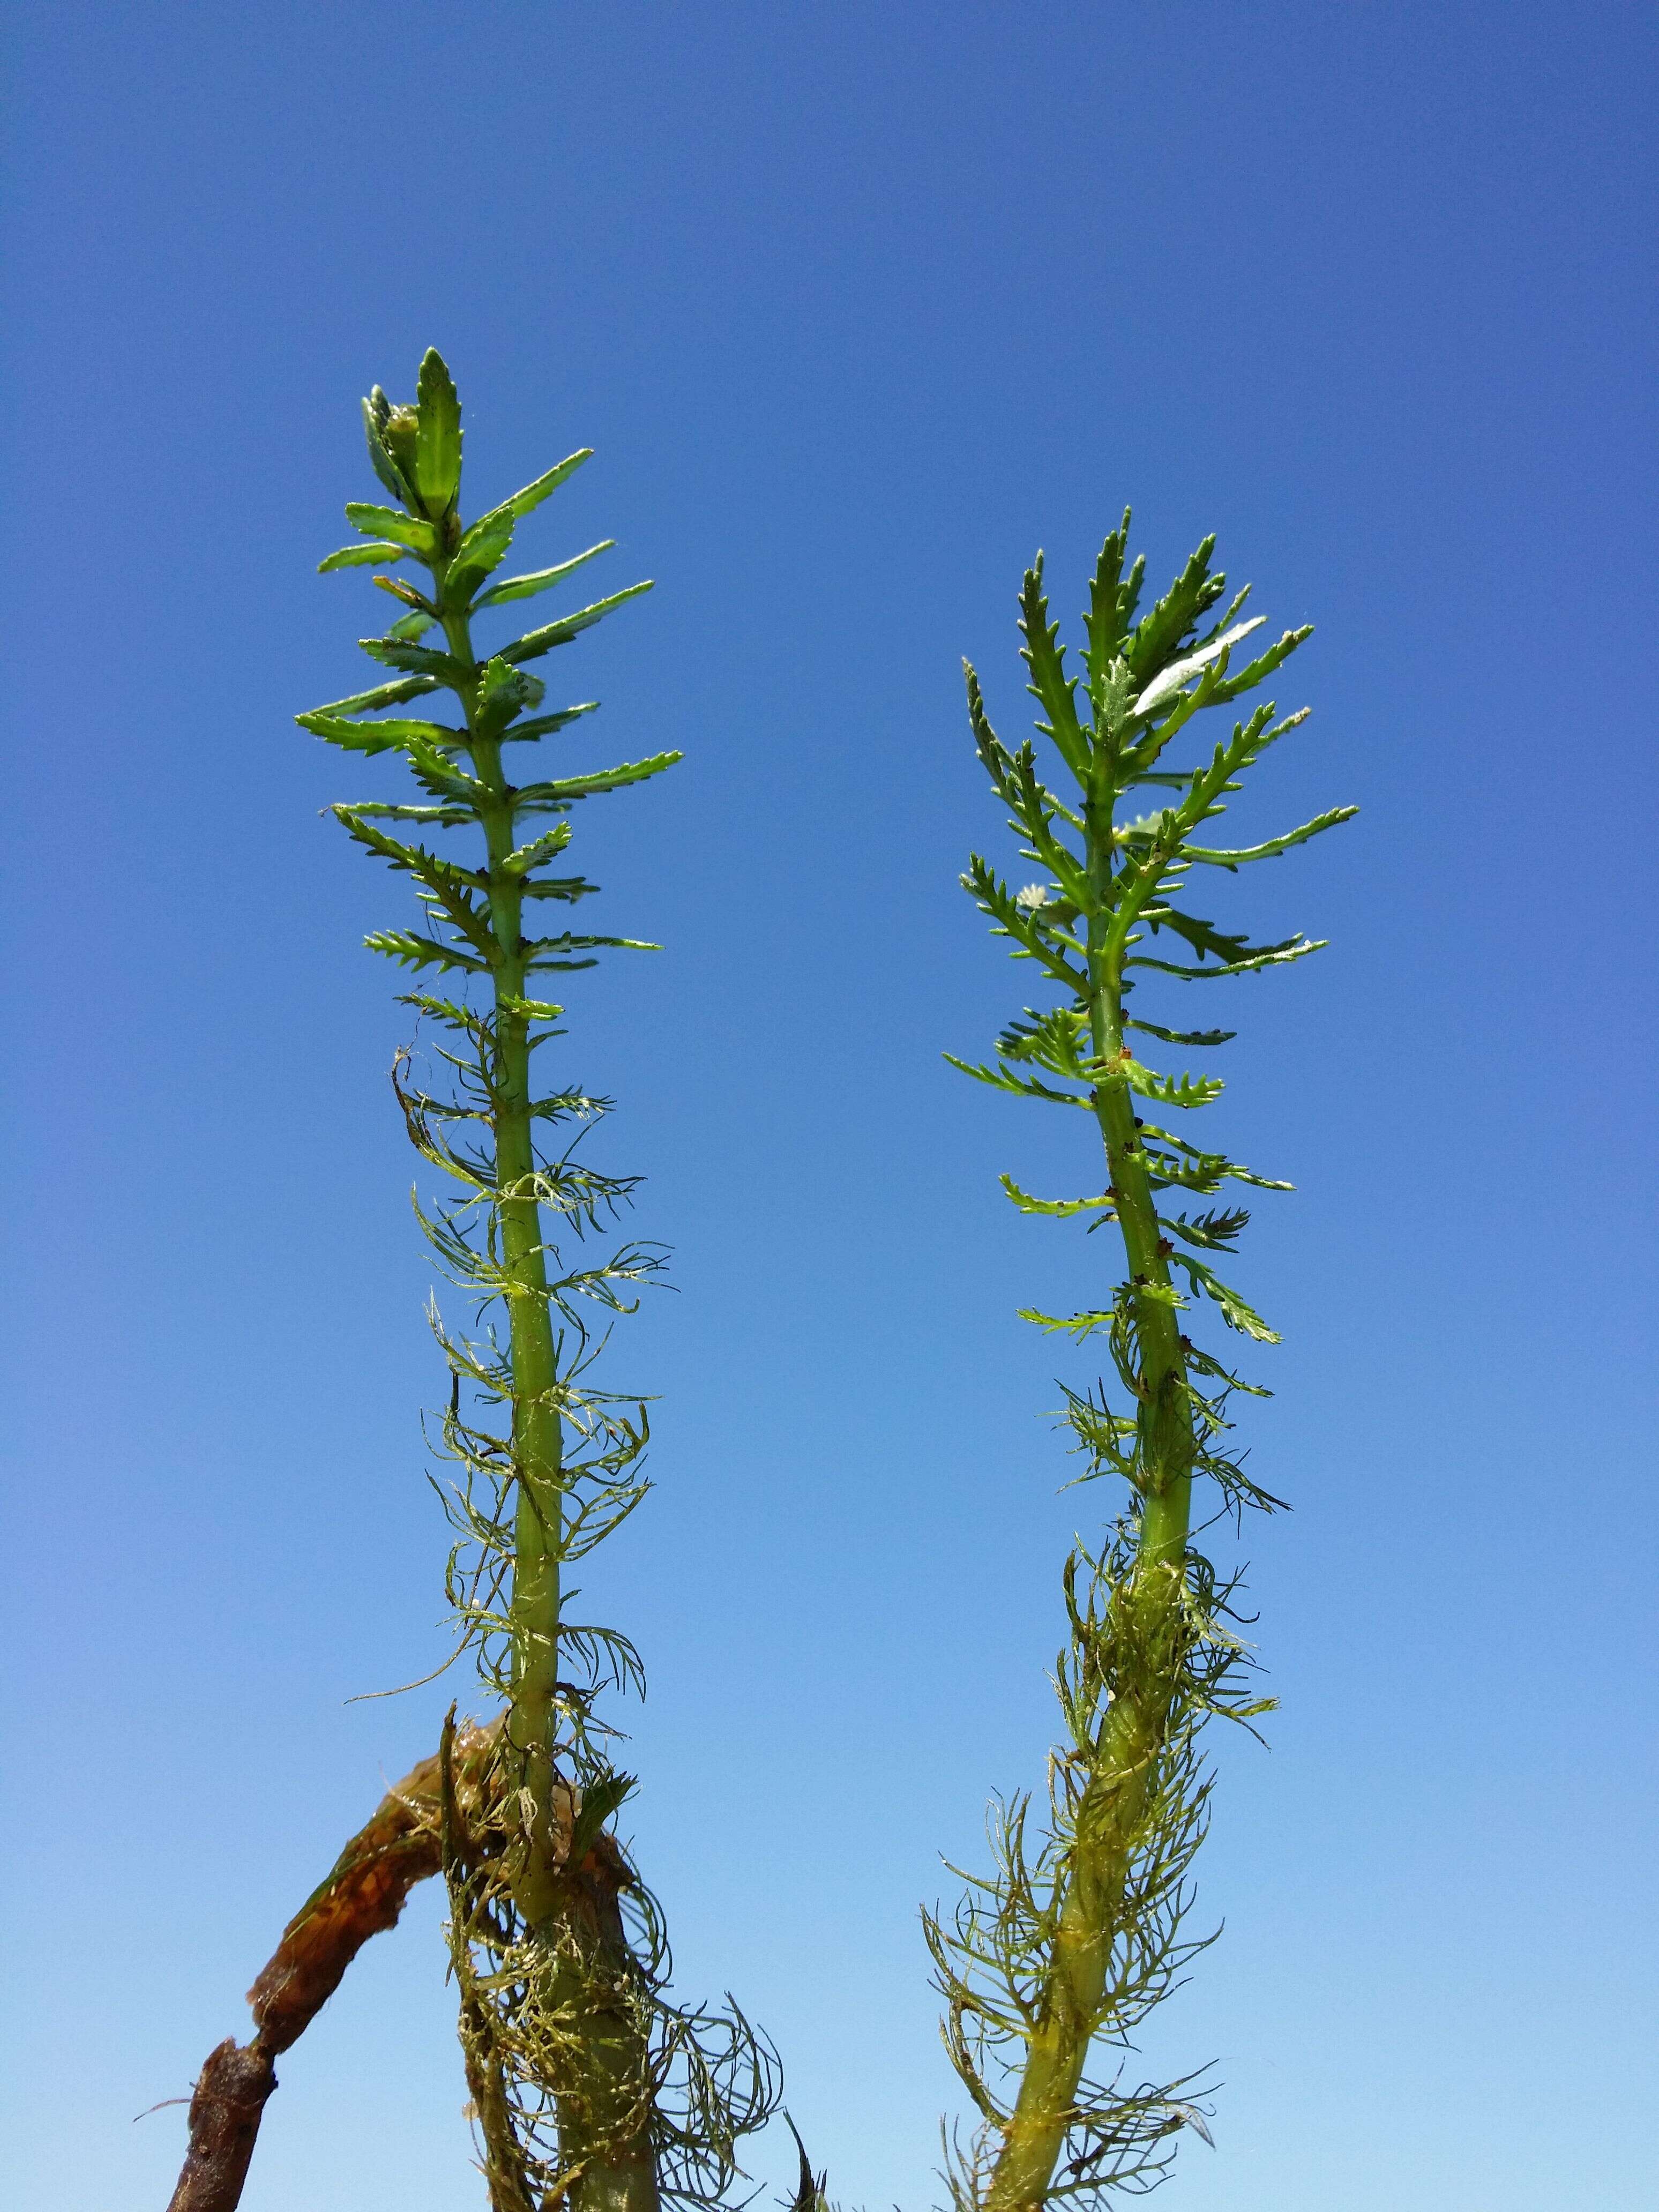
[1212, 1232]
[549, 951]
[359, 737]
[430, 867]
[1022, 1086]
[409, 531]
[1060, 1208]
[450, 1011]
[414, 950]
[566, 788]
[1183, 1091]
[543, 579]
[376, 409]
[544, 847]
[602, 1798]
[1181, 1036]
[569, 888]
[438, 436]
[419, 659]
[1235, 1311]
[539, 641]
[359, 556]
[503, 690]
[522, 502]
[442, 818]
[482, 548]
[1271, 846]
[543, 725]
[384, 694]
[392, 730]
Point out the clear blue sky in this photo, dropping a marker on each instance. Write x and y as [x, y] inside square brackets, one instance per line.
[860, 305]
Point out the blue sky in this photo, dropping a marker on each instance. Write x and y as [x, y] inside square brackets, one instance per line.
[860, 305]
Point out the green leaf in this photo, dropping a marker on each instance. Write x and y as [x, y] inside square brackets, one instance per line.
[526, 587]
[481, 549]
[409, 531]
[538, 642]
[376, 410]
[1235, 1311]
[1181, 1036]
[1060, 1207]
[450, 1011]
[419, 659]
[324, 723]
[502, 691]
[549, 951]
[1212, 1232]
[1104, 624]
[1273, 955]
[375, 736]
[1022, 1086]
[1185, 1090]
[1049, 684]
[526, 857]
[531, 497]
[359, 556]
[558, 793]
[568, 888]
[1216, 1165]
[451, 887]
[1162, 630]
[442, 818]
[1078, 1325]
[1258, 670]
[414, 950]
[384, 694]
[438, 439]
[430, 867]
[602, 1799]
[544, 725]
[1271, 846]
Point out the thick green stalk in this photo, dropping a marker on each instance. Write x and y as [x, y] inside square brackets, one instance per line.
[605, 2108]
[1110, 1817]
[585, 2077]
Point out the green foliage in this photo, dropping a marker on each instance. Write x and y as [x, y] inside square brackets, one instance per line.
[591, 2086]
[1063, 1949]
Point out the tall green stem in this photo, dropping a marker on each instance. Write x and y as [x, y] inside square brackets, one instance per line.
[586, 2079]
[1111, 1813]
[1074, 1940]
[605, 2107]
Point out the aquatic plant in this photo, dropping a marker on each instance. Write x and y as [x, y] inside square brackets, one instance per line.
[1056, 1957]
[591, 2088]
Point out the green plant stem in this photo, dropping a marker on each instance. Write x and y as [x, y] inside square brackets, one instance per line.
[1111, 1815]
[605, 2110]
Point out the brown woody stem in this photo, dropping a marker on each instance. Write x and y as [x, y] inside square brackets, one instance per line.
[365, 1893]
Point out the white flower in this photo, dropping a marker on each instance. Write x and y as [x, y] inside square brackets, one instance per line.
[1033, 896]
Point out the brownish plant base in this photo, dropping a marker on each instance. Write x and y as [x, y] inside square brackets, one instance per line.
[364, 1894]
